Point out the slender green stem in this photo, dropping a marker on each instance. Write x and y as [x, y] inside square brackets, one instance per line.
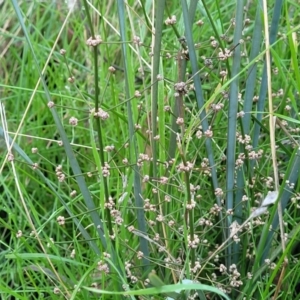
[97, 120]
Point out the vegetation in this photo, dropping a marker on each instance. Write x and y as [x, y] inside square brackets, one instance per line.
[149, 149]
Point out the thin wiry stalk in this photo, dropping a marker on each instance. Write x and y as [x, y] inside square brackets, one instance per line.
[159, 21]
[189, 214]
[98, 121]
[157, 93]
[201, 103]
[212, 22]
[181, 71]
[133, 144]
[145, 14]
[272, 140]
[232, 122]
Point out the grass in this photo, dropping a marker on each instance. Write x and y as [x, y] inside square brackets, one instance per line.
[136, 168]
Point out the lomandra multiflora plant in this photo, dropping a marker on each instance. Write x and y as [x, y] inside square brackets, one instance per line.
[152, 151]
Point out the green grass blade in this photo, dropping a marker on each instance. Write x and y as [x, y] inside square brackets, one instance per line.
[252, 72]
[24, 156]
[264, 88]
[232, 124]
[290, 182]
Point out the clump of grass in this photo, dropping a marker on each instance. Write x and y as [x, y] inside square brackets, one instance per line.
[138, 149]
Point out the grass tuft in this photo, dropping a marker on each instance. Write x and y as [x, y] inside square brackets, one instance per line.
[140, 158]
